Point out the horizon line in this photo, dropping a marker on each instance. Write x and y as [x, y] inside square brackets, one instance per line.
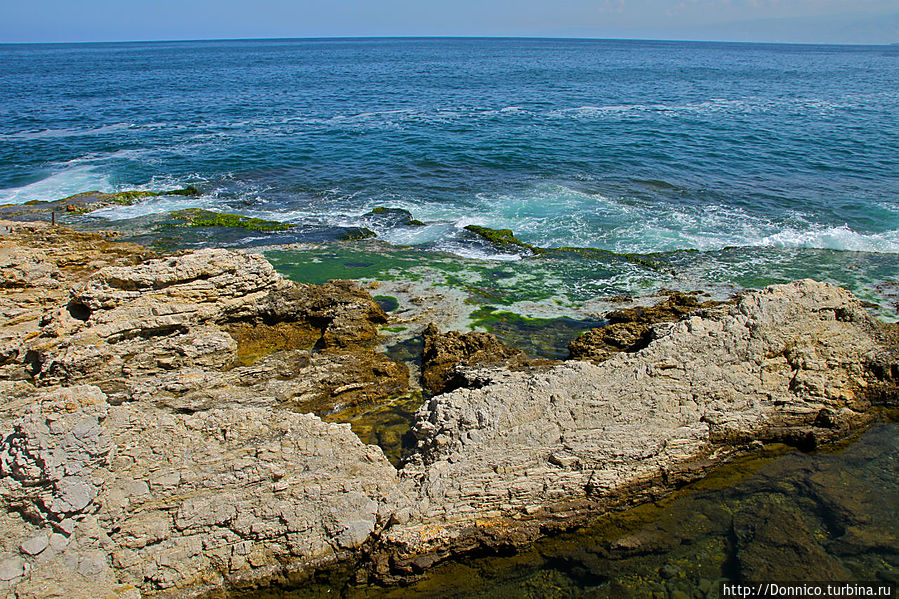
[439, 37]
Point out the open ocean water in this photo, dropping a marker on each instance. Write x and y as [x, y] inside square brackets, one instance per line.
[723, 165]
[772, 161]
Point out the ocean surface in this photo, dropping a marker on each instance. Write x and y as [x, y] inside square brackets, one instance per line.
[773, 161]
[704, 166]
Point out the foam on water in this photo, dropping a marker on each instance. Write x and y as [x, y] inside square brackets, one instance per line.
[64, 183]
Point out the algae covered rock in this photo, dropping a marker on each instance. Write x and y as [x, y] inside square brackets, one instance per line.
[392, 217]
[87, 201]
[197, 217]
[356, 234]
[502, 238]
[445, 352]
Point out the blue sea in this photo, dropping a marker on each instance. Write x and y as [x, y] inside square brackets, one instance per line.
[721, 166]
[771, 161]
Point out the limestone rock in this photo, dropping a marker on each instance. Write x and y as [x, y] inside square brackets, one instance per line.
[445, 353]
[591, 435]
[630, 329]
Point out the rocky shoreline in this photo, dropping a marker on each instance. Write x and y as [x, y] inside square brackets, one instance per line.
[158, 435]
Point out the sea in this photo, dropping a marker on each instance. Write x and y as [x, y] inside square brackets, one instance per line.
[710, 167]
[733, 165]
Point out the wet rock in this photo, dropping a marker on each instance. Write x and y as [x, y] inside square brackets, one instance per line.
[444, 353]
[630, 329]
[391, 217]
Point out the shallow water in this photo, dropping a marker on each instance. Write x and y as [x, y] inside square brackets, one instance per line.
[774, 515]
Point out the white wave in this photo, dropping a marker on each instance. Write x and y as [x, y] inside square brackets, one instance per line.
[555, 215]
[834, 238]
[59, 185]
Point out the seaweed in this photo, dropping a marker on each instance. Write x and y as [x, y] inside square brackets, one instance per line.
[197, 217]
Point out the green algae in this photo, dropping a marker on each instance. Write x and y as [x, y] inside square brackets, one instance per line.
[537, 337]
[566, 280]
[388, 303]
[197, 217]
[396, 329]
[341, 261]
[534, 279]
[356, 234]
[500, 237]
[505, 239]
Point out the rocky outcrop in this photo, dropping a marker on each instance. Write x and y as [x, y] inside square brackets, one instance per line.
[630, 329]
[151, 434]
[190, 330]
[152, 439]
[798, 363]
[117, 500]
[447, 355]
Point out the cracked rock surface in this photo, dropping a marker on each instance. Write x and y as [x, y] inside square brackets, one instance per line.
[155, 440]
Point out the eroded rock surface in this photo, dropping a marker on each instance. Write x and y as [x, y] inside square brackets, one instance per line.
[150, 437]
[798, 362]
[447, 355]
[630, 329]
[151, 440]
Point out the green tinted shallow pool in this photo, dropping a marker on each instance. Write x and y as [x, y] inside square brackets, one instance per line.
[570, 280]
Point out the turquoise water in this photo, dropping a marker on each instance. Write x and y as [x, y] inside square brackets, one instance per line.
[767, 153]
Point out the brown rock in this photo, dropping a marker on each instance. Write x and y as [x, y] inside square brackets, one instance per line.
[629, 329]
[445, 352]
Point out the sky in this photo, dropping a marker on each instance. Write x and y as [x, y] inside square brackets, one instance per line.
[809, 21]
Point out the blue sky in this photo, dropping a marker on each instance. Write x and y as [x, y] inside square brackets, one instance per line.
[836, 21]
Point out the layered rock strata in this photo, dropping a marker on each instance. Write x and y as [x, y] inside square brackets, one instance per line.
[524, 452]
[154, 440]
